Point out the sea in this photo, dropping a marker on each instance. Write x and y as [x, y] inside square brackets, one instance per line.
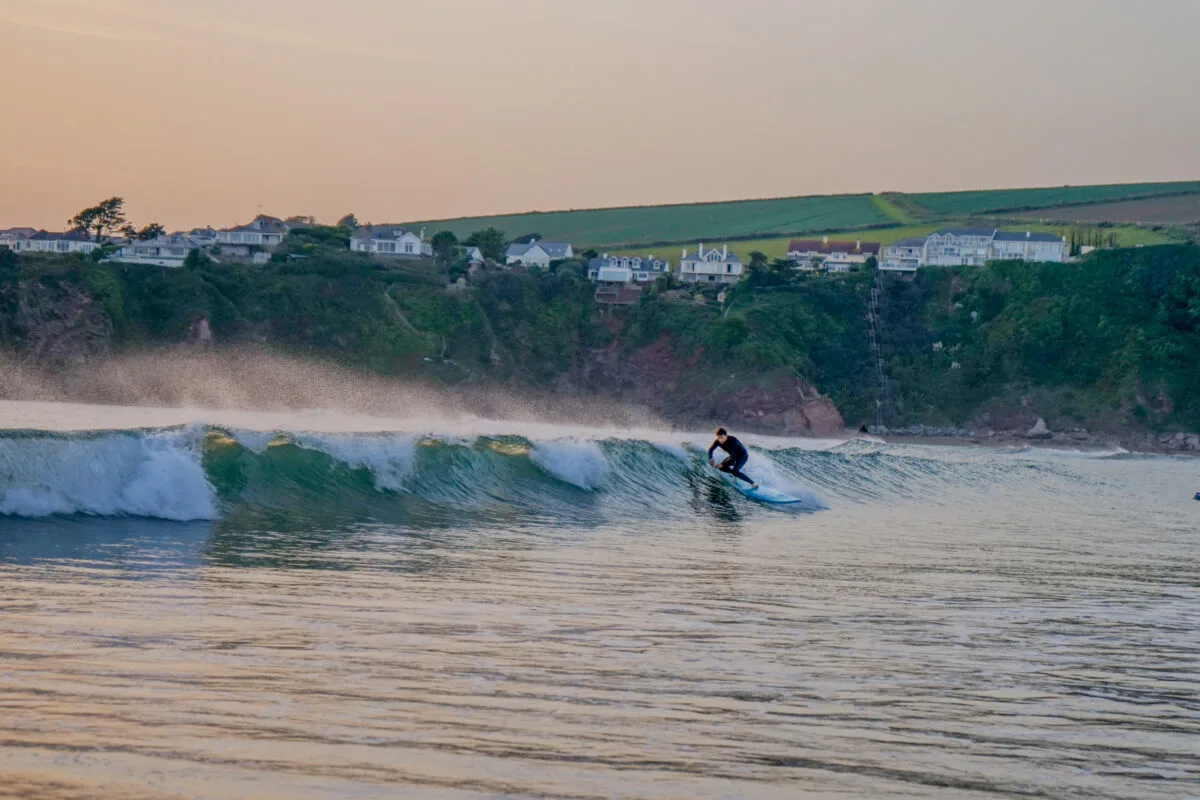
[218, 604]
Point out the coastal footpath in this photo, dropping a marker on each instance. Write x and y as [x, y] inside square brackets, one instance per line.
[1105, 349]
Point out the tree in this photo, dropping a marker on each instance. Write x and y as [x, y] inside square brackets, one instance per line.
[349, 221]
[151, 231]
[108, 216]
[445, 246]
[758, 261]
[491, 242]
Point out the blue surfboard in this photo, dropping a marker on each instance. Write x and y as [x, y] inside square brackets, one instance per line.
[764, 494]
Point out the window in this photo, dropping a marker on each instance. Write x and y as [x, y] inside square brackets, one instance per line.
[408, 248]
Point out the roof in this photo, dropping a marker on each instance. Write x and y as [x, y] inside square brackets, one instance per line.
[728, 259]
[826, 247]
[554, 250]
[69, 236]
[264, 224]
[1028, 237]
[380, 232]
[987, 233]
[912, 241]
[25, 232]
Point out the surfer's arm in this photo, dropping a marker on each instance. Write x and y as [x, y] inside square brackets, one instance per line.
[711, 448]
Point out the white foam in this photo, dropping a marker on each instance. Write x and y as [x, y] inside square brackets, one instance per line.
[579, 462]
[390, 458]
[146, 475]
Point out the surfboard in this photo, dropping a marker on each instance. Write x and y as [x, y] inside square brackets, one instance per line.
[764, 494]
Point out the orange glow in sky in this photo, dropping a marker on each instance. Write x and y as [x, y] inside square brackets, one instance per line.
[209, 111]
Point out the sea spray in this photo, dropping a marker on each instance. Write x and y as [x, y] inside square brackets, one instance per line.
[155, 474]
[579, 462]
[389, 457]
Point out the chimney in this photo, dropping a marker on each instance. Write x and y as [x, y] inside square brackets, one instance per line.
[725, 253]
[858, 244]
[700, 250]
[683, 254]
[1028, 234]
[825, 240]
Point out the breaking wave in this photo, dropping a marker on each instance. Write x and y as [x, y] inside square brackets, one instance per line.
[207, 472]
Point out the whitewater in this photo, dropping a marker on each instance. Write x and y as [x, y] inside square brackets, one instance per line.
[316, 604]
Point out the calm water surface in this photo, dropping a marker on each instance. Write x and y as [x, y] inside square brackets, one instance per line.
[211, 612]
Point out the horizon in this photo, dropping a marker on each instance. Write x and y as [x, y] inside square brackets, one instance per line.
[246, 111]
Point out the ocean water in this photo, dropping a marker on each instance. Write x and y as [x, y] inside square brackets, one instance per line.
[219, 605]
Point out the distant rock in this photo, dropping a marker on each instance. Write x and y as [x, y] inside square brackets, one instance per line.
[1039, 430]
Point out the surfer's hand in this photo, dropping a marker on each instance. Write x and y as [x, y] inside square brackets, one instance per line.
[712, 463]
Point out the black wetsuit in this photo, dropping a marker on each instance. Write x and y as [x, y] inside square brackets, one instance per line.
[735, 461]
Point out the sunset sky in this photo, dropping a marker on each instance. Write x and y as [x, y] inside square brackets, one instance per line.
[209, 111]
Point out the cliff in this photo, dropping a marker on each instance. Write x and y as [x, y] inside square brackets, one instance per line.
[1110, 345]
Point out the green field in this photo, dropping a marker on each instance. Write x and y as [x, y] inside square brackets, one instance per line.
[760, 224]
[986, 202]
[683, 223]
[776, 247]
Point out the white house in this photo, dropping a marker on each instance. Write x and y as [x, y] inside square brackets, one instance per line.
[953, 247]
[201, 237]
[264, 233]
[474, 254]
[165, 251]
[14, 237]
[638, 269]
[45, 242]
[386, 240]
[535, 253]
[834, 256]
[710, 266]
[905, 255]
[1030, 246]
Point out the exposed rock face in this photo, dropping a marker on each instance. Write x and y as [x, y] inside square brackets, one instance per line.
[674, 386]
[59, 323]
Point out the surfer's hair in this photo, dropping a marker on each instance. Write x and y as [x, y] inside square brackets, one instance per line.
[722, 432]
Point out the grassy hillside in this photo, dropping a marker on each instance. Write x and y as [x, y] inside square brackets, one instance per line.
[985, 202]
[1174, 210]
[682, 223]
[638, 227]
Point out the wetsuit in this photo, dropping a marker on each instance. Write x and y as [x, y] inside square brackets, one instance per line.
[735, 461]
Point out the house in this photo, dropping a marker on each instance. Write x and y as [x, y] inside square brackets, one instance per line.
[264, 233]
[535, 253]
[710, 266]
[953, 247]
[639, 270]
[1030, 246]
[387, 240]
[200, 237]
[834, 256]
[13, 237]
[45, 242]
[165, 251]
[905, 255]
[474, 255]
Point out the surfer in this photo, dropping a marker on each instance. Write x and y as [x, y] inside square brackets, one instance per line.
[737, 458]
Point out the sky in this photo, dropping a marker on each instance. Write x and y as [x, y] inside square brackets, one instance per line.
[207, 112]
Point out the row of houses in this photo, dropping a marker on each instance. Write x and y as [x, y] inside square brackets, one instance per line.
[255, 241]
